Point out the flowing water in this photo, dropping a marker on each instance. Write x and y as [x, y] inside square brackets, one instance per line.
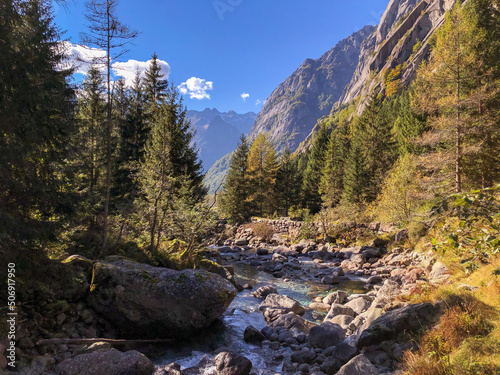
[244, 311]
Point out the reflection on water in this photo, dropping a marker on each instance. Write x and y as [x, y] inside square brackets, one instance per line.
[244, 311]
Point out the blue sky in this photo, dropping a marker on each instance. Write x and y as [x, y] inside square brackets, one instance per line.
[226, 48]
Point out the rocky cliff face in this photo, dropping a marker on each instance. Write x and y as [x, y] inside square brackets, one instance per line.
[309, 93]
[402, 26]
[218, 133]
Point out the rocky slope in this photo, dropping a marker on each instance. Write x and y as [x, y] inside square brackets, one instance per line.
[218, 133]
[404, 23]
[309, 93]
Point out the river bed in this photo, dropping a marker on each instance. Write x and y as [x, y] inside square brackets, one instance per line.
[244, 311]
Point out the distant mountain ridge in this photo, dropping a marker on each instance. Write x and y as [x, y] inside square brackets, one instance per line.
[218, 133]
[293, 109]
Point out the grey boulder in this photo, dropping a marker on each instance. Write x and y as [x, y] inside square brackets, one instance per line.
[106, 362]
[228, 363]
[359, 365]
[151, 302]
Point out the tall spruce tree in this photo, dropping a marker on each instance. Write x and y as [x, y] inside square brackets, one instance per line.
[236, 191]
[155, 176]
[183, 152]
[107, 32]
[91, 146]
[133, 135]
[288, 183]
[261, 172]
[332, 174]
[36, 126]
[312, 173]
[444, 88]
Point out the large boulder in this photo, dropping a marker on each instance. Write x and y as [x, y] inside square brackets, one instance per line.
[325, 335]
[403, 321]
[106, 362]
[275, 305]
[228, 363]
[359, 365]
[151, 302]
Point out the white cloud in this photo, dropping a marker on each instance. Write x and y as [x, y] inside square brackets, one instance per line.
[245, 96]
[129, 68]
[258, 101]
[196, 88]
[82, 57]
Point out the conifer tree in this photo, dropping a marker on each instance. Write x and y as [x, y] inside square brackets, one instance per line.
[155, 87]
[261, 172]
[312, 173]
[92, 148]
[108, 33]
[444, 88]
[183, 153]
[155, 176]
[332, 173]
[36, 127]
[236, 191]
[133, 135]
[288, 183]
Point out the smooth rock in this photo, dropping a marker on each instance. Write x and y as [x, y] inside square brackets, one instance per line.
[337, 309]
[264, 291]
[106, 362]
[253, 335]
[403, 321]
[275, 305]
[359, 305]
[325, 335]
[338, 297]
[228, 363]
[149, 302]
[359, 365]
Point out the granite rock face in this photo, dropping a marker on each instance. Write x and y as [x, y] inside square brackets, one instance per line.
[144, 301]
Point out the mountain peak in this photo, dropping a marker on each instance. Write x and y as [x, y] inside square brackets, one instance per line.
[309, 93]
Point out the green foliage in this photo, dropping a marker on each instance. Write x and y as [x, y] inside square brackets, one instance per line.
[37, 194]
[470, 223]
[261, 175]
[401, 194]
[234, 202]
[312, 173]
[288, 183]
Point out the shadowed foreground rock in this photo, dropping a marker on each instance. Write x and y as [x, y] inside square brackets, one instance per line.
[397, 323]
[106, 362]
[228, 363]
[151, 302]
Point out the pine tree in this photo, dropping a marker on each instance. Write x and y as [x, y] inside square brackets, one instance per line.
[444, 87]
[332, 174]
[155, 176]
[312, 173]
[261, 172]
[236, 191]
[155, 86]
[288, 183]
[92, 148]
[36, 127]
[108, 33]
[132, 135]
[183, 152]
[371, 154]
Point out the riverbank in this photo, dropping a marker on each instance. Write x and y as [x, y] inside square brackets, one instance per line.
[305, 307]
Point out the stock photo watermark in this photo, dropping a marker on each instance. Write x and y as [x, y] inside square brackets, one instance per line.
[224, 6]
[11, 315]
